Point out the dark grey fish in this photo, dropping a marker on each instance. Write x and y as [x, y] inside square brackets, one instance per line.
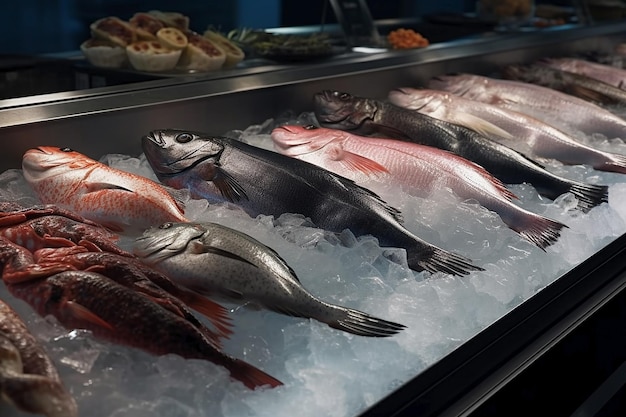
[578, 85]
[341, 110]
[222, 262]
[260, 181]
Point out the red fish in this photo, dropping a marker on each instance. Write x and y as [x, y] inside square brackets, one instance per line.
[114, 198]
[418, 168]
[113, 312]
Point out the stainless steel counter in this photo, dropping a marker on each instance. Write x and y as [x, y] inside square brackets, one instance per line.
[111, 119]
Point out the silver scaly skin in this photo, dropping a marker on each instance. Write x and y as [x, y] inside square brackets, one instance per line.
[222, 262]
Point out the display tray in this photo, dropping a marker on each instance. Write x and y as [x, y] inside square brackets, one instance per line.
[466, 337]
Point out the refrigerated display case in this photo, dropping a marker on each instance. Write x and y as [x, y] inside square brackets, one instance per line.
[561, 351]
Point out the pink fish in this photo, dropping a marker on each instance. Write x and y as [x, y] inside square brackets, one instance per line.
[417, 168]
[114, 198]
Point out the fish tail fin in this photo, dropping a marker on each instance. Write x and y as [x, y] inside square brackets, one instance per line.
[540, 230]
[440, 260]
[615, 163]
[362, 324]
[251, 376]
[589, 195]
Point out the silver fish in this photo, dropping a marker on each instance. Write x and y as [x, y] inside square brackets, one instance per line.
[219, 261]
[568, 113]
[610, 74]
[519, 131]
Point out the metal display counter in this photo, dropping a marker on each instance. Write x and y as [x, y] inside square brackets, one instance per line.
[498, 372]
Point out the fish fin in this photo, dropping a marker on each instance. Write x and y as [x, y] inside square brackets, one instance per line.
[589, 195]
[217, 314]
[383, 131]
[482, 126]
[93, 187]
[178, 196]
[81, 312]
[362, 324]
[361, 163]
[434, 259]
[251, 376]
[588, 94]
[229, 187]
[540, 230]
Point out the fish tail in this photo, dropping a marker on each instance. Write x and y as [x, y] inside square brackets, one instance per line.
[615, 163]
[540, 230]
[589, 195]
[440, 260]
[362, 324]
[251, 376]
[38, 394]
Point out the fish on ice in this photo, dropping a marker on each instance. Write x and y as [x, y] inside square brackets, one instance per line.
[610, 74]
[119, 200]
[419, 169]
[570, 114]
[367, 116]
[222, 262]
[113, 312]
[526, 134]
[221, 169]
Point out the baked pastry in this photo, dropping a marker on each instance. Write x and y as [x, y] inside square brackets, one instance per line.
[151, 56]
[115, 30]
[172, 38]
[172, 19]
[234, 54]
[103, 53]
[146, 25]
[201, 54]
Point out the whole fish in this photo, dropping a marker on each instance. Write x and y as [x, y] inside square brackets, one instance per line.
[260, 181]
[526, 134]
[578, 85]
[568, 113]
[419, 168]
[114, 198]
[610, 74]
[28, 377]
[113, 312]
[335, 109]
[219, 261]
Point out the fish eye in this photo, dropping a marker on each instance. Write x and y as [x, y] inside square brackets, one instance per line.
[310, 127]
[166, 225]
[184, 137]
[66, 149]
[344, 96]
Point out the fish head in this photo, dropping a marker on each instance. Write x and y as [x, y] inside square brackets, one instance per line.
[458, 84]
[45, 162]
[294, 140]
[339, 110]
[422, 100]
[171, 151]
[168, 239]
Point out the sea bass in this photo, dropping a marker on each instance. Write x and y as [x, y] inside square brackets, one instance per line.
[578, 85]
[365, 116]
[222, 262]
[420, 169]
[608, 73]
[568, 113]
[526, 134]
[28, 377]
[114, 198]
[260, 181]
[113, 312]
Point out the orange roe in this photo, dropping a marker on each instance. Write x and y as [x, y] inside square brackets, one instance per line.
[406, 39]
